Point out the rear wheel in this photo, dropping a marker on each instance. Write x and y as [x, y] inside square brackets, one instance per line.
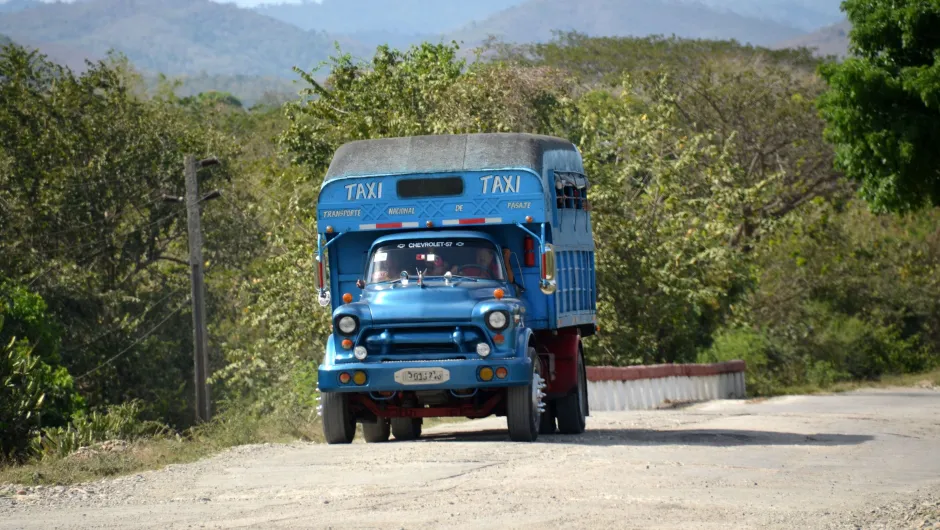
[376, 432]
[406, 428]
[339, 425]
[524, 405]
[572, 409]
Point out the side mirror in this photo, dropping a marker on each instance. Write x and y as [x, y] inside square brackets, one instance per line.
[319, 280]
[547, 283]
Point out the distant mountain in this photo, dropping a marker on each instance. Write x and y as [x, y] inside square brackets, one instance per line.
[534, 21]
[831, 40]
[402, 17]
[14, 6]
[172, 36]
[807, 15]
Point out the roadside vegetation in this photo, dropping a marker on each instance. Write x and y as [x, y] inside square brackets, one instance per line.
[727, 227]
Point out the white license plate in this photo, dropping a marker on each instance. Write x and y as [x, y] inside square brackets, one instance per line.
[422, 376]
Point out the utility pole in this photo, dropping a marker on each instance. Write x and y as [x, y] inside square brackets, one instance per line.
[200, 350]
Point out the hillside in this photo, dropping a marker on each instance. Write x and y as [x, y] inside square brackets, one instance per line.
[13, 6]
[534, 21]
[831, 40]
[807, 15]
[408, 17]
[172, 36]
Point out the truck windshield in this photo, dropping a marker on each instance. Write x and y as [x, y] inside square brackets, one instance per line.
[461, 257]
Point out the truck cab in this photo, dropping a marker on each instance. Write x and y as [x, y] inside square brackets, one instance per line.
[459, 270]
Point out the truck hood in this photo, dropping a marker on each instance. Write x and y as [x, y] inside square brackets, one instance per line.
[432, 302]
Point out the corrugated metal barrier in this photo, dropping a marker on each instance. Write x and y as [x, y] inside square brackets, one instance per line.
[650, 387]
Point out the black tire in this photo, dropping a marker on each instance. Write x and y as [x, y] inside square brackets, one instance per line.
[522, 414]
[572, 409]
[406, 428]
[547, 423]
[377, 432]
[339, 425]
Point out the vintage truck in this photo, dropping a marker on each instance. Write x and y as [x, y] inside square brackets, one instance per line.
[460, 274]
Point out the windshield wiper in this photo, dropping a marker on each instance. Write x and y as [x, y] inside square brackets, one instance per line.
[457, 277]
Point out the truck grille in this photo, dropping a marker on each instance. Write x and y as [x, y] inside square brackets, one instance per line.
[420, 341]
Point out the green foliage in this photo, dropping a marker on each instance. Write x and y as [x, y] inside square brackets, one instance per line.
[752, 347]
[117, 422]
[664, 212]
[595, 59]
[883, 105]
[35, 392]
[84, 161]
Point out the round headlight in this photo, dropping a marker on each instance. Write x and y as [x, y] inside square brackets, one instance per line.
[347, 325]
[483, 349]
[497, 320]
[360, 352]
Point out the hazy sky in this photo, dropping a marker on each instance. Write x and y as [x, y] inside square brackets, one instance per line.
[243, 3]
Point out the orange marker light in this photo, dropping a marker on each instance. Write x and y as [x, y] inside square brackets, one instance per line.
[486, 374]
[528, 218]
[499, 294]
[347, 344]
[344, 378]
[347, 298]
[360, 378]
[501, 372]
[429, 224]
[329, 230]
[499, 339]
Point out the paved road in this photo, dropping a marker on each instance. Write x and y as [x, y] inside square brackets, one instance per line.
[845, 461]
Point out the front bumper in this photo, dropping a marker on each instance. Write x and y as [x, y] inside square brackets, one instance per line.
[380, 376]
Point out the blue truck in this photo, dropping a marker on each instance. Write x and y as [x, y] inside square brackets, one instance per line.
[460, 274]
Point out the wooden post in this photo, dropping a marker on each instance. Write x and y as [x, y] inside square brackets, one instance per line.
[200, 350]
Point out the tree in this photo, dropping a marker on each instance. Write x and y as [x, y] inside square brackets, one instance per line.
[883, 104]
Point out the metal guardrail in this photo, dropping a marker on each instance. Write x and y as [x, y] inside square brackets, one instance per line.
[654, 386]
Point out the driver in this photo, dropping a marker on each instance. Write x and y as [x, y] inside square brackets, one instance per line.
[484, 265]
[386, 271]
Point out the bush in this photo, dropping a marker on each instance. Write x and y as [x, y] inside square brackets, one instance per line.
[866, 350]
[751, 346]
[118, 422]
[35, 392]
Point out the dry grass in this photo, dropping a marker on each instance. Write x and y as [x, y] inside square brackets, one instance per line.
[205, 440]
[924, 380]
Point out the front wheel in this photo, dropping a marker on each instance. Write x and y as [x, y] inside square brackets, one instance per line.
[524, 405]
[339, 425]
[572, 409]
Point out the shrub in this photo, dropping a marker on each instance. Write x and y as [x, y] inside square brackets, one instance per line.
[754, 348]
[35, 392]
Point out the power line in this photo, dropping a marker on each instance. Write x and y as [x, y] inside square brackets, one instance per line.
[90, 244]
[132, 207]
[135, 343]
[139, 229]
[112, 330]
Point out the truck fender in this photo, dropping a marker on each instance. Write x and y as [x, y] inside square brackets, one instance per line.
[524, 337]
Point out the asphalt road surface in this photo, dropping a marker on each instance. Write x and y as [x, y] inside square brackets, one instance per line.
[861, 460]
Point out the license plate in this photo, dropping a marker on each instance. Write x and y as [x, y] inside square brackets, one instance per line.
[422, 376]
